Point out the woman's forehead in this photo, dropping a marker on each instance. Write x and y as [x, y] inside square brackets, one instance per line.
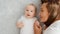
[43, 5]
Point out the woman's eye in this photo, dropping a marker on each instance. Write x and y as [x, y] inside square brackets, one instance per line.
[41, 10]
[27, 10]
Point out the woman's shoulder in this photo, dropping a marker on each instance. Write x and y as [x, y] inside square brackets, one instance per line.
[58, 21]
[54, 28]
[55, 25]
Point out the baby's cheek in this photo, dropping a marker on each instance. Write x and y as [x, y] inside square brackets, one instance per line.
[31, 14]
[34, 14]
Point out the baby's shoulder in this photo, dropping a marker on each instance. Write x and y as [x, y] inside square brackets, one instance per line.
[35, 18]
[21, 18]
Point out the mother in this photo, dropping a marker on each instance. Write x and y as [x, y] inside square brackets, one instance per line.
[50, 16]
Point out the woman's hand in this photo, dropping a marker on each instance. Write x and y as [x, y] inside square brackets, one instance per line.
[20, 25]
[37, 28]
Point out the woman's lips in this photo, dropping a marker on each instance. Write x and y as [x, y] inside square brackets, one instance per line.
[40, 17]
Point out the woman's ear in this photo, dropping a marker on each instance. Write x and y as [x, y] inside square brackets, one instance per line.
[49, 14]
[55, 14]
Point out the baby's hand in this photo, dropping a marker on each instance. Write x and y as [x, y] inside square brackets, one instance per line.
[20, 25]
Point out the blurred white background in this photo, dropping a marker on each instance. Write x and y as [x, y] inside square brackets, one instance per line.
[10, 11]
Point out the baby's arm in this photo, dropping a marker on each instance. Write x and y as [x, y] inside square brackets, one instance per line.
[20, 24]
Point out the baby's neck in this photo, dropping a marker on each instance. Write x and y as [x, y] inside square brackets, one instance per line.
[29, 17]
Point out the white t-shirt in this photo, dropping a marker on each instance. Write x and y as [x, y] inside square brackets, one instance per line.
[54, 28]
[28, 25]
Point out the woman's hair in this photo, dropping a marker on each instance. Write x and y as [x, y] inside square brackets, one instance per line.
[53, 10]
[59, 10]
[50, 1]
[44, 1]
[53, 1]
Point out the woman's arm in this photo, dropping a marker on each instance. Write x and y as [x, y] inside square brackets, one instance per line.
[37, 28]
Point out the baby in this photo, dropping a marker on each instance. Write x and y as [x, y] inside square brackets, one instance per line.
[26, 22]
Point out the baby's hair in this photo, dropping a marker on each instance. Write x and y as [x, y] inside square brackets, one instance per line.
[34, 6]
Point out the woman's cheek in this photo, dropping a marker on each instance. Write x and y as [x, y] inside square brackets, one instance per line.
[43, 19]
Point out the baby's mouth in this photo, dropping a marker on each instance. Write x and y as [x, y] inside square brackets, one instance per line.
[28, 15]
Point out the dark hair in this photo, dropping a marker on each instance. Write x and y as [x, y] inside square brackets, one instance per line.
[53, 1]
[53, 11]
[50, 1]
[44, 1]
[59, 10]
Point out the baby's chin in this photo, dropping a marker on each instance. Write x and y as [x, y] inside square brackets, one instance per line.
[29, 16]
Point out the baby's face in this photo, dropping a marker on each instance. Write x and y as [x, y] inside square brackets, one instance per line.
[30, 11]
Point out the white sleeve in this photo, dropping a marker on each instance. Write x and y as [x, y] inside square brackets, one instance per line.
[53, 29]
[20, 19]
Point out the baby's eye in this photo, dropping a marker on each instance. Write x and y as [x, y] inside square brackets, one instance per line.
[27, 10]
[31, 11]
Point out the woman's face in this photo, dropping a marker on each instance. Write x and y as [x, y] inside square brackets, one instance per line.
[43, 13]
